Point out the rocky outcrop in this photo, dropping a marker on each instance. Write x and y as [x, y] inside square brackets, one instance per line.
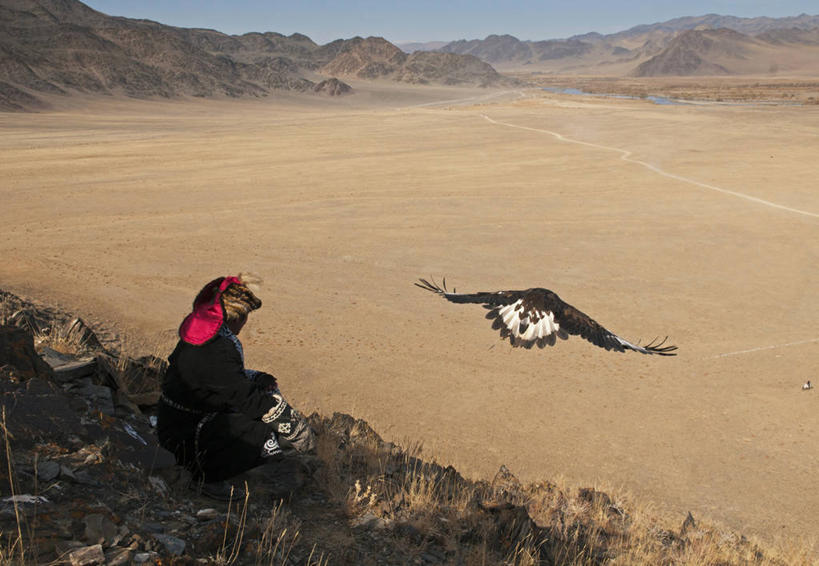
[509, 49]
[493, 49]
[375, 58]
[333, 87]
[93, 486]
[424, 67]
[370, 58]
[18, 358]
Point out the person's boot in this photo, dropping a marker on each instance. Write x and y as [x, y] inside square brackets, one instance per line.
[282, 476]
[219, 490]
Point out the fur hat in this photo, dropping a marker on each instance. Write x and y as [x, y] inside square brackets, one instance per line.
[223, 299]
[238, 299]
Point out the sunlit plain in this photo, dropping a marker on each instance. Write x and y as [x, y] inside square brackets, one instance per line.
[696, 221]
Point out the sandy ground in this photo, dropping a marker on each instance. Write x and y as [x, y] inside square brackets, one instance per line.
[700, 222]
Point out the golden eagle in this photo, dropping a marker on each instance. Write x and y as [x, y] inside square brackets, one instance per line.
[539, 316]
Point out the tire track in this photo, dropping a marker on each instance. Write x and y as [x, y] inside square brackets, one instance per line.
[625, 155]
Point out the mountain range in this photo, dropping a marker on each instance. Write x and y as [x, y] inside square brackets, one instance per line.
[56, 47]
[52, 47]
[701, 45]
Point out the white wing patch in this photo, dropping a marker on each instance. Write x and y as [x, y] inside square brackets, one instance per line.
[527, 328]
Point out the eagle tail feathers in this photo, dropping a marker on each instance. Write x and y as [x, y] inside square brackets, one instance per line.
[658, 346]
[433, 286]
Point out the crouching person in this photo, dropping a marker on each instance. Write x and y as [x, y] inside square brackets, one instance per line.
[218, 418]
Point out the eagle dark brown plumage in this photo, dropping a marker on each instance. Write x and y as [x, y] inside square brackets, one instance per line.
[539, 316]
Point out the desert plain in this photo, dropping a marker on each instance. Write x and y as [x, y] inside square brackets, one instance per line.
[697, 221]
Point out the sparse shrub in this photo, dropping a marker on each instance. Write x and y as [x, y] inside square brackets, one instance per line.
[280, 531]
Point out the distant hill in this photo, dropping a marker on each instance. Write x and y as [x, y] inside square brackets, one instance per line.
[410, 47]
[748, 26]
[376, 58]
[791, 36]
[507, 48]
[63, 46]
[724, 52]
[623, 52]
[369, 58]
[423, 67]
[692, 53]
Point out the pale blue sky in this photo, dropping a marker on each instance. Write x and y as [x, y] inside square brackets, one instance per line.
[429, 20]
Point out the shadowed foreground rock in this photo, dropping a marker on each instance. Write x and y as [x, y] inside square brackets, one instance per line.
[17, 355]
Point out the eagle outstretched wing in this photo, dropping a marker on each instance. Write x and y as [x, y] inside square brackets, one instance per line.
[539, 316]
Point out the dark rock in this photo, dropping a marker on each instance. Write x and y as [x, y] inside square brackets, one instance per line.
[153, 528]
[349, 429]
[117, 374]
[48, 470]
[64, 547]
[512, 526]
[433, 556]
[74, 370]
[506, 487]
[593, 497]
[139, 447]
[333, 87]
[409, 531]
[159, 485]
[98, 397]
[175, 546]
[99, 529]
[28, 319]
[88, 556]
[67, 473]
[143, 557]
[54, 357]
[78, 332]
[39, 410]
[667, 538]
[366, 521]
[18, 355]
[118, 557]
[688, 525]
[149, 399]
[84, 477]
[208, 514]
[22, 504]
[278, 477]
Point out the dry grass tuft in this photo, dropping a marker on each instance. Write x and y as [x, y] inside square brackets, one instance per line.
[433, 510]
[279, 537]
[15, 553]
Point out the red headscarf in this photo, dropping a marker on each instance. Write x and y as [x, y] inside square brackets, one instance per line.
[208, 313]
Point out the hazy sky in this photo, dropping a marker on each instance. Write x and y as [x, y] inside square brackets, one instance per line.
[429, 20]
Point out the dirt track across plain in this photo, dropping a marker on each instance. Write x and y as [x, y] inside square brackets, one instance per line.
[121, 211]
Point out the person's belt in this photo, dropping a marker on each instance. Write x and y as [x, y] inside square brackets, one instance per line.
[178, 406]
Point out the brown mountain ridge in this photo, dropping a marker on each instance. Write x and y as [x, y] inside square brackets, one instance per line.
[52, 47]
[698, 45]
[727, 52]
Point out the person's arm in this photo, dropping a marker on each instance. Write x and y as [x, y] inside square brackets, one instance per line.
[225, 384]
[263, 379]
